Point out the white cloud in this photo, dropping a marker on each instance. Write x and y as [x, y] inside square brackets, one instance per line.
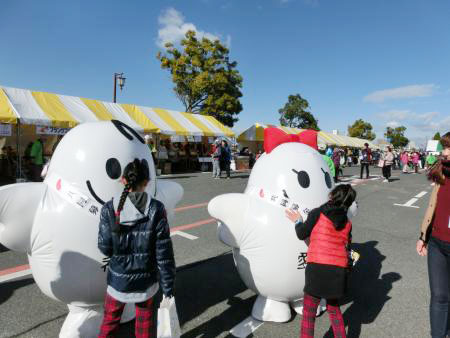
[427, 117]
[416, 123]
[393, 124]
[380, 96]
[397, 115]
[433, 124]
[173, 29]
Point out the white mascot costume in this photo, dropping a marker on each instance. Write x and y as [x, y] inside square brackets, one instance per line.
[268, 255]
[56, 222]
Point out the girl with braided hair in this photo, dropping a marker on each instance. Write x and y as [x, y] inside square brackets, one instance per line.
[134, 234]
[329, 231]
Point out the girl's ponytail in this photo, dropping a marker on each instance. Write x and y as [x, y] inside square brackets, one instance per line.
[135, 173]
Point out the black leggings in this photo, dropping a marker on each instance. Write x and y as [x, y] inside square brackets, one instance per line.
[387, 171]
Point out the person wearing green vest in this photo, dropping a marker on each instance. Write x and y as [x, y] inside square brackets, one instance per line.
[431, 159]
[37, 158]
[330, 165]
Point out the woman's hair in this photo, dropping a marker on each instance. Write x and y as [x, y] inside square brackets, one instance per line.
[343, 196]
[135, 173]
[435, 173]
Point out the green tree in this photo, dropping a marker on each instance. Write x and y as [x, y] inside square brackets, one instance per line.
[294, 114]
[396, 136]
[205, 79]
[361, 129]
[437, 136]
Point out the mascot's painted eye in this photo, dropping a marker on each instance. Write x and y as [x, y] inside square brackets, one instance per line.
[113, 168]
[303, 178]
[327, 178]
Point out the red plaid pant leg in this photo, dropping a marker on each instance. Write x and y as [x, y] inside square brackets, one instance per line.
[111, 317]
[336, 319]
[310, 305]
[144, 319]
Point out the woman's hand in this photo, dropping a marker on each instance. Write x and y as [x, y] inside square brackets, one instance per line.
[294, 216]
[421, 248]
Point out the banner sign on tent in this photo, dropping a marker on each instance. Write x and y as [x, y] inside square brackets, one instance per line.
[211, 140]
[177, 138]
[5, 130]
[197, 138]
[190, 138]
[46, 130]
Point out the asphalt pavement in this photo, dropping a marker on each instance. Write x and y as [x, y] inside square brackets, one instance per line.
[388, 295]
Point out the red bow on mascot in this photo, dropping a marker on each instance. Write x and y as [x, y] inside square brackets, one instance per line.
[273, 137]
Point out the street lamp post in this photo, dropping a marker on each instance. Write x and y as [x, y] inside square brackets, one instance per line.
[118, 76]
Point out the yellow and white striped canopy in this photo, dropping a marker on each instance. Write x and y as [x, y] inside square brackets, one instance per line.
[47, 109]
[256, 133]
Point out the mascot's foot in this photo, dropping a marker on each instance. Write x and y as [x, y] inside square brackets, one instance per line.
[298, 307]
[268, 310]
[84, 322]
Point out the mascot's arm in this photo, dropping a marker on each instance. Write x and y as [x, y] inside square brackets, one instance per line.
[169, 193]
[230, 211]
[104, 232]
[18, 206]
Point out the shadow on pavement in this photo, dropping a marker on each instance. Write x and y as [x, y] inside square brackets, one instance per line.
[207, 283]
[200, 286]
[368, 290]
[7, 289]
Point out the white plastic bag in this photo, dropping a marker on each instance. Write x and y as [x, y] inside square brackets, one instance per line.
[168, 324]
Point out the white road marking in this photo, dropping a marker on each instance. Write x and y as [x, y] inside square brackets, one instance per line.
[409, 204]
[15, 275]
[421, 194]
[246, 327]
[184, 234]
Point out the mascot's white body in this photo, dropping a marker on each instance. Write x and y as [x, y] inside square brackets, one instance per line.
[56, 222]
[265, 246]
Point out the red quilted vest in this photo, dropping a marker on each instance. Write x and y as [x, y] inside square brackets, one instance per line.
[328, 245]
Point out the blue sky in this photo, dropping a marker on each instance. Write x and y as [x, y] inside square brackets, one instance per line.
[385, 61]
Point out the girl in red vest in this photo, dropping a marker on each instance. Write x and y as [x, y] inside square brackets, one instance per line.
[329, 231]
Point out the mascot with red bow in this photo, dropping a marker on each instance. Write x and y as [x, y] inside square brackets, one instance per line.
[269, 257]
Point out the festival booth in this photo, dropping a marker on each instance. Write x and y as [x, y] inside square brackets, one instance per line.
[253, 139]
[27, 115]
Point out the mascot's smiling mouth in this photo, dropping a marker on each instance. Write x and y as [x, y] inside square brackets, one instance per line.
[91, 190]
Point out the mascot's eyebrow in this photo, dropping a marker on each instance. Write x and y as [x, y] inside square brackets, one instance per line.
[126, 130]
[323, 171]
[285, 194]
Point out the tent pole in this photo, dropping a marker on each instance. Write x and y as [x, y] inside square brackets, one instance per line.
[19, 164]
